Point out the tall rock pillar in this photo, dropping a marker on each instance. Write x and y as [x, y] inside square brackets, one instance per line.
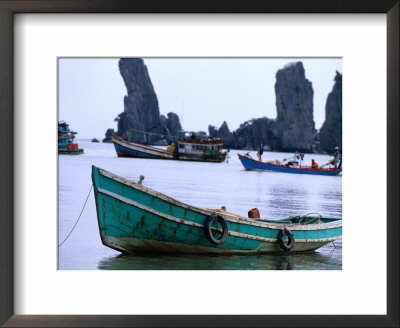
[294, 103]
[330, 134]
[141, 111]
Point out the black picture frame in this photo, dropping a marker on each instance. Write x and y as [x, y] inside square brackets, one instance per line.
[10, 7]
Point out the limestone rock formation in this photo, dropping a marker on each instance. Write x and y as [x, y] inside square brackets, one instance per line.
[212, 131]
[294, 127]
[108, 135]
[248, 135]
[330, 134]
[141, 112]
[294, 103]
[251, 133]
[141, 120]
[227, 136]
[172, 123]
[223, 132]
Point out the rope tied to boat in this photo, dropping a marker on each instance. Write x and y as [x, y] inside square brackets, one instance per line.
[84, 205]
[318, 217]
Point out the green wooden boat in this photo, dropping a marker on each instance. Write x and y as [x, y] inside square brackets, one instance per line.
[133, 218]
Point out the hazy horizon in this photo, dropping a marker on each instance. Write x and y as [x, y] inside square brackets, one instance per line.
[201, 91]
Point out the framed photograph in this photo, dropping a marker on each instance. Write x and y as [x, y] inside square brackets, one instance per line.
[229, 99]
[175, 153]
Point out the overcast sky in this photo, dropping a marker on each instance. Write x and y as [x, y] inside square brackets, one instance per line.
[201, 91]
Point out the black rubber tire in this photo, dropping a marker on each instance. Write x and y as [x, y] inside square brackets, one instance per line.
[207, 228]
[281, 239]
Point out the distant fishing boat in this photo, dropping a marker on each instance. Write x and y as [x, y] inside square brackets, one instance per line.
[252, 164]
[188, 147]
[133, 218]
[66, 143]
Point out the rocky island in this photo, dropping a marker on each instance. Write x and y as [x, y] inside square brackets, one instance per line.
[141, 120]
[294, 127]
[292, 130]
[330, 134]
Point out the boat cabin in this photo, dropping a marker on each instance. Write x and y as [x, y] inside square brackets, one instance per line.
[190, 142]
[65, 135]
[66, 139]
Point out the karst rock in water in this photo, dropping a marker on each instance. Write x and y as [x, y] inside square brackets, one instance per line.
[251, 133]
[330, 134]
[141, 112]
[108, 135]
[294, 103]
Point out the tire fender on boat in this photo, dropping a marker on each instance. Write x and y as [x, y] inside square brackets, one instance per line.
[208, 229]
[281, 239]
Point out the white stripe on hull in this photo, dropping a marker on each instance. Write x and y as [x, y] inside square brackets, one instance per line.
[155, 152]
[195, 224]
[241, 219]
[165, 153]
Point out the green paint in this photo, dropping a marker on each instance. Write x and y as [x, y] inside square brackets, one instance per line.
[120, 219]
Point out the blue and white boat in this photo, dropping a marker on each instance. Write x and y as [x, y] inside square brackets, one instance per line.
[252, 164]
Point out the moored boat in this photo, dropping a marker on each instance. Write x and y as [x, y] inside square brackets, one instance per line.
[66, 145]
[187, 147]
[253, 164]
[125, 148]
[133, 218]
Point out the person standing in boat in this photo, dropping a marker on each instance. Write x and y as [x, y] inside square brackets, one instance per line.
[301, 158]
[336, 159]
[260, 151]
[296, 158]
[227, 157]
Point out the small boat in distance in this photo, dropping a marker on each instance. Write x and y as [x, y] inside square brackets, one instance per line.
[189, 146]
[66, 145]
[250, 163]
[133, 218]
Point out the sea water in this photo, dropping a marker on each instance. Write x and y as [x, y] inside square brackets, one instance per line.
[202, 184]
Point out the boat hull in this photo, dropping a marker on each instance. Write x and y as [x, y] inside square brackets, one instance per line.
[136, 245]
[252, 164]
[133, 218]
[125, 149]
[130, 149]
[70, 152]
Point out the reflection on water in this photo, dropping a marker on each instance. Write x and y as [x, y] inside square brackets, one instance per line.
[304, 194]
[208, 185]
[328, 258]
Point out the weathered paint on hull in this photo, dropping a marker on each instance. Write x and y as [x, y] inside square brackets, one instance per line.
[127, 152]
[194, 158]
[124, 149]
[129, 149]
[70, 152]
[132, 218]
[133, 245]
[251, 164]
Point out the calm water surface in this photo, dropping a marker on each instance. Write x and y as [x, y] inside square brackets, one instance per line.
[209, 185]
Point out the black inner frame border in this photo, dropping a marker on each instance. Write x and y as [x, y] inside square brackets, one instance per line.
[10, 7]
